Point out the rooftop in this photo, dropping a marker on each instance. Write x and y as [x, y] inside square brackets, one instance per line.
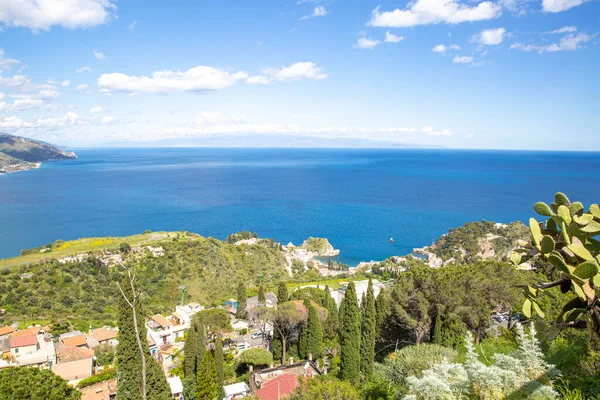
[5, 330]
[160, 320]
[277, 388]
[99, 391]
[75, 341]
[22, 341]
[175, 384]
[105, 333]
[69, 354]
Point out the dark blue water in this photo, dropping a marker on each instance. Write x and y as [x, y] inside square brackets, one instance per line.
[358, 199]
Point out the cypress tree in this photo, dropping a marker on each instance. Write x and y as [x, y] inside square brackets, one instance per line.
[241, 294]
[331, 326]
[219, 360]
[130, 377]
[381, 307]
[314, 335]
[190, 350]
[350, 336]
[368, 328]
[261, 295]
[282, 293]
[207, 387]
[437, 329]
[303, 341]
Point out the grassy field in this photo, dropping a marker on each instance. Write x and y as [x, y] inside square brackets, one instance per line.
[79, 246]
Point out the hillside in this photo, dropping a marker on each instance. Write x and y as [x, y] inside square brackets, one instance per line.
[475, 241]
[19, 153]
[76, 280]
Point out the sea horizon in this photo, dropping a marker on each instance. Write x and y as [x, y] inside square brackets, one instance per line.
[356, 198]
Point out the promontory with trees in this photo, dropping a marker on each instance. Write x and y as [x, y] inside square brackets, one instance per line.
[511, 312]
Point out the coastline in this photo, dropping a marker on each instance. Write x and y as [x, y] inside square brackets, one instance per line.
[12, 168]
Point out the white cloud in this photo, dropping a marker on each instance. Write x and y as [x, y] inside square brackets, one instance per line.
[423, 12]
[43, 14]
[297, 71]
[133, 25]
[98, 55]
[319, 11]
[570, 42]
[258, 80]
[442, 48]
[469, 136]
[65, 83]
[15, 81]
[96, 109]
[80, 88]
[14, 122]
[462, 59]
[490, 37]
[109, 119]
[391, 38]
[366, 43]
[208, 123]
[83, 69]
[195, 79]
[2, 95]
[560, 5]
[564, 29]
[28, 103]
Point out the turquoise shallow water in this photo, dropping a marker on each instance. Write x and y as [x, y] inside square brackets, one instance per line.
[358, 199]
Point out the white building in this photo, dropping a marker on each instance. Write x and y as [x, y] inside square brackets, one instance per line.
[236, 391]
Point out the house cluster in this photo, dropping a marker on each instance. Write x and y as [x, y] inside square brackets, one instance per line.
[70, 355]
[112, 258]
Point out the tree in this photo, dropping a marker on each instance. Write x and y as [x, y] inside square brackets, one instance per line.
[331, 325]
[241, 294]
[350, 337]
[105, 354]
[324, 388]
[285, 321]
[207, 387]
[261, 295]
[194, 347]
[282, 293]
[567, 240]
[216, 320]
[311, 336]
[24, 383]
[367, 330]
[219, 360]
[256, 356]
[139, 377]
[437, 329]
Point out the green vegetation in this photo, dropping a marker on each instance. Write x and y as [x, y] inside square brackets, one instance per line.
[476, 241]
[218, 356]
[567, 241]
[282, 292]
[105, 375]
[138, 371]
[368, 328]
[318, 245]
[324, 388]
[256, 356]
[311, 336]
[350, 336]
[207, 387]
[22, 383]
[86, 291]
[16, 150]
[241, 298]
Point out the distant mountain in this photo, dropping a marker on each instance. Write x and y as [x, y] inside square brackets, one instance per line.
[266, 140]
[18, 153]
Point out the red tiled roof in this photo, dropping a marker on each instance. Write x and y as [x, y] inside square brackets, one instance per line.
[159, 319]
[21, 341]
[105, 333]
[76, 341]
[277, 388]
[68, 354]
[26, 332]
[6, 330]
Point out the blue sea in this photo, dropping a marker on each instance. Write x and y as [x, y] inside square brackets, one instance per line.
[357, 199]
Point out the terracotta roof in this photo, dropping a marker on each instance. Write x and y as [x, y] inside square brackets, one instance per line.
[26, 332]
[74, 370]
[5, 330]
[159, 319]
[278, 387]
[151, 341]
[99, 391]
[75, 341]
[104, 333]
[21, 341]
[68, 354]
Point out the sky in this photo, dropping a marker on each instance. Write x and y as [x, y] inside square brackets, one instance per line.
[498, 74]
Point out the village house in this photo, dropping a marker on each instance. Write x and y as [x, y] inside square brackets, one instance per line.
[23, 345]
[70, 354]
[270, 301]
[276, 383]
[74, 371]
[167, 355]
[236, 391]
[41, 354]
[176, 387]
[159, 328]
[73, 339]
[104, 335]
[106, 390]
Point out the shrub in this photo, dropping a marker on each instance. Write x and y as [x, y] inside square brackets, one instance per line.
[105, 375]
[256, 357]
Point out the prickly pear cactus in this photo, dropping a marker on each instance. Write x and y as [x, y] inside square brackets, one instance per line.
[567, 238]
